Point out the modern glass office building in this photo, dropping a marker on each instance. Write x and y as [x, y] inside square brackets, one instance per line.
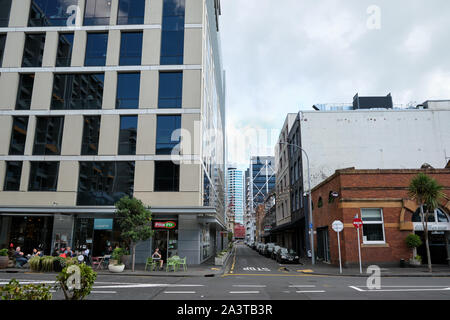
[235, 186]
[97, 100]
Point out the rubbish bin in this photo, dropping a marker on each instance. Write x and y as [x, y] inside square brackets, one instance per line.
[402, 263]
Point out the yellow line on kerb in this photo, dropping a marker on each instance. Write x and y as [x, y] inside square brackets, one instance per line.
[234, 261]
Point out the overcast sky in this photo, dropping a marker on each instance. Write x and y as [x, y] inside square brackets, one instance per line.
[283, 56]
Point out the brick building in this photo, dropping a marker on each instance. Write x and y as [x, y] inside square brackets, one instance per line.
[380, 198]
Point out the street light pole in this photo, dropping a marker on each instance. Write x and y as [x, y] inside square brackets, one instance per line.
[310, 227]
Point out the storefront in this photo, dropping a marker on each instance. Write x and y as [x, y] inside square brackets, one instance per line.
[165, 237]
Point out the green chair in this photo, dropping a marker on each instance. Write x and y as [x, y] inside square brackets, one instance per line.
[150, 262]
[171, 262]
[182, 262]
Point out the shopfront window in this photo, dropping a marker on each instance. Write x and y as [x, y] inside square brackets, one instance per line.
[166, 237]
[373, 226]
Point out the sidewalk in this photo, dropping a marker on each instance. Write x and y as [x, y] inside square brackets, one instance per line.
[321, 268]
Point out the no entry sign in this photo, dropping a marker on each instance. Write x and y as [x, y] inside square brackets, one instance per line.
[357, 223]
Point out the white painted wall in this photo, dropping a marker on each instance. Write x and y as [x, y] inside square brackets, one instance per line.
[390, 139]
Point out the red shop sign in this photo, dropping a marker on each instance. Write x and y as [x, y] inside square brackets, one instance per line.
[164, 224]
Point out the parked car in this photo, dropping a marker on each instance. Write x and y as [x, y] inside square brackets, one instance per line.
[287, 255]
[275, 251]
[268, 249]
[262, 248]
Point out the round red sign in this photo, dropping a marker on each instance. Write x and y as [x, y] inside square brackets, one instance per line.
[357, 223]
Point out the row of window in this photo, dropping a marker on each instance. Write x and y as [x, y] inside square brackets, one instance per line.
[100, 183]
[82, 91]
[49, 133]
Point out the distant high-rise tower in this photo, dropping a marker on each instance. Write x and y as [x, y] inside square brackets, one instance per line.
[235, 191]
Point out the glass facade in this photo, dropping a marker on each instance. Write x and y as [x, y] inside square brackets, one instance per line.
[167, 176]
[5, 9]
[43, 176]
[131, 12]
[2, 47]
[48, 138]
[166, 126]
[79, 91]
[97, 12]
[128, 88]
[12, 177]
[34, 50]
[52, 13]
[91, 135]
[128, 135]
[96, 47]
[18, 136]
[104, 183]
[25, 91]
[64, 53]
[131, 49]
[170, 90]
[172, 33]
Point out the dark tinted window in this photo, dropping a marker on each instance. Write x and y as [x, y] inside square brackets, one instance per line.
[131, 12]
[43, 176]
[128, 135]
[77, 91]
[131, 49]
[34, 50]
[91, 134]
[25, 91]
[48, 139]
[170, 90]
[52, 13]
[2, 47]
[18, 136]
[172, 35]
[167, 176]
[128, 85]
[97, 12]
[96, 47]
[165, 128]
[12, 176]
[5, 9]
[65, 46]
[104, 183]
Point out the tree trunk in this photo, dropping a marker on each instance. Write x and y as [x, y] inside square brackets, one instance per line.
[133, 244]
[427, 245]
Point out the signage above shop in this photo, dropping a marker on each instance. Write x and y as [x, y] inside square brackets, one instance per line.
[164, 224]
[103, 224]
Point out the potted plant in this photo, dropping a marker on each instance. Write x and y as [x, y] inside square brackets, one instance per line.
[4, 259]
[413, 241]
[115, 264]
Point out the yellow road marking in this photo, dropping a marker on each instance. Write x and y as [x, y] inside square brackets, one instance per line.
[306, 271]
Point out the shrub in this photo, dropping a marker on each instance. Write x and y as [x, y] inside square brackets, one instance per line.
[4, 252]
[47, 264]
[87, 279]
[117, 255]
[35, 264]
[413, 241]
[15, 291]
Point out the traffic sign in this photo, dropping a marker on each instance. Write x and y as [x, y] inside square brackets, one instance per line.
[337, 226]
[357, 223]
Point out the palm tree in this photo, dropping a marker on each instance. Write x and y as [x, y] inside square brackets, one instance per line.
[427, 193]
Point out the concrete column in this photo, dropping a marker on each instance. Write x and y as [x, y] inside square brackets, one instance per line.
[190, 178]
[148, 94]
[30, 136]
[25, 178]
[68, 176]
[151, 47]
[2, 175]
[73, 135]
[42, 91]
[193, 46]
[144, 176]
[114, 12]
[113, 53]
[146, 139]
[15, 43]
[194, 12]
[79, 48]
[19, 13]
[192, 93]
[9, 83]
[50, 49]
[153, 12]
[191, 135]
[189, 238]
[6, 123]
[109, 135]
[110, 90]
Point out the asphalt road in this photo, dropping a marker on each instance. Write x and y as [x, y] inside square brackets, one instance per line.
[254, 277]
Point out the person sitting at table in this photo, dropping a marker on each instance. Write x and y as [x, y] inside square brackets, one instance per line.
[157, 257]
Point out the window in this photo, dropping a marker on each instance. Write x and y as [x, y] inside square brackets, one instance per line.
[25, 91]
[34, 50]
[320, 203]
[104, 183]
[91, 134]
[12, 177]
[97, 12]
[2, 47]
[128, 87]
[18, 136]
[172, 35]
[65, 46]
[43, 176]
[96, 47]
[5, 9]
[167, 176]
[170, 90]
[128, 135]
[49, 131]
[131, 12]
[373, 225]
[166, 125]
[52, 13]
[131, 49]
[79, 91]
[438, 215]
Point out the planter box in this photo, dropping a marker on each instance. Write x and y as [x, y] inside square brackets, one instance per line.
[415, 263]
[4, 261]
[116, 268]
[220, 261]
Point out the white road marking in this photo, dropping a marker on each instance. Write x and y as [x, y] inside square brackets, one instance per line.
[104, 292]
[149, 285]
[302, 286]
[244, 292]
[179, 292]
[409, 289]
[249, 286]
[315, 291]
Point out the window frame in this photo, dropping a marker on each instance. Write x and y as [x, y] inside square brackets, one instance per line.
[373, 222]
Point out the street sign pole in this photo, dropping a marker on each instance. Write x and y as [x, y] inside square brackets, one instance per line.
[338, 226]
[339, 249]
[358, 225]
